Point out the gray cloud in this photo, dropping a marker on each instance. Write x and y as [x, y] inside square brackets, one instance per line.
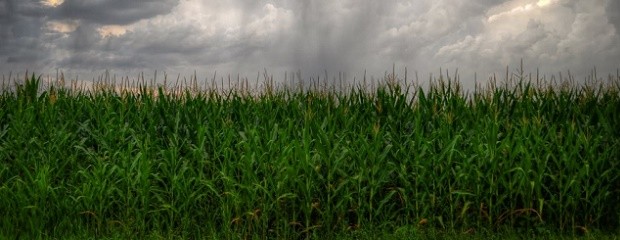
[237, 36]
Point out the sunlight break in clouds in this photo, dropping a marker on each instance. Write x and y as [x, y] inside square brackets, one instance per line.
[111, 31]
[544, 3]
[62, 27]
[52, 3]
[521, 9]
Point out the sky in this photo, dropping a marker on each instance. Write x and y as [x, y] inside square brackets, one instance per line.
[244, 37]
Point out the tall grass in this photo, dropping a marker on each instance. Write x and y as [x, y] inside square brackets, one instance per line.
[295, 163]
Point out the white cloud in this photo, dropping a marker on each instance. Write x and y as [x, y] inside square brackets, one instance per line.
[548, 33]
[274, 20]
[591, 32]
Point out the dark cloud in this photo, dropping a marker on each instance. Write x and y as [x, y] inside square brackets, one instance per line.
[113, 12]
[82, 39]
[7, 9]
[21, 39]
[613, 12]
[15, 21]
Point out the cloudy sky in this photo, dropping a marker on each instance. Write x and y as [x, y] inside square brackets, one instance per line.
[247, 36]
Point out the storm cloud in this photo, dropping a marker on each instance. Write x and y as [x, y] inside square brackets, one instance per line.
[353, 36]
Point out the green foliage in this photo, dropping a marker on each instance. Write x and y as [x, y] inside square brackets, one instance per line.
[294, 164]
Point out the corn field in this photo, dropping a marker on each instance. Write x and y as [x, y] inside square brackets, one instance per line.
[303, 162]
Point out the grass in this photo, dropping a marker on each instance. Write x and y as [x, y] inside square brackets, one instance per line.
[396, 161]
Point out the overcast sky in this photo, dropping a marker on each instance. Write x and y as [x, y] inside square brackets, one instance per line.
[246, 36]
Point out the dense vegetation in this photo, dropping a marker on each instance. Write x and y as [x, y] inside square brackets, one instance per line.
[293, 164]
